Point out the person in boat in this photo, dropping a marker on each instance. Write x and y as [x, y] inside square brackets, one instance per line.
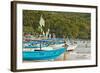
[49, 36]
[53, 36]
[65, 46]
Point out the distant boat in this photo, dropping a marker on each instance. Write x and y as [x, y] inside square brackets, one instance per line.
[43, 55]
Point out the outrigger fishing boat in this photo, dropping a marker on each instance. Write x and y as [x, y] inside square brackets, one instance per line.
[44, 49]
[48, 44]
[38, 50]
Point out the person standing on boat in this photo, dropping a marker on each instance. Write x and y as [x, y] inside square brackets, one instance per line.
[65, 43]
[49, 36]
[53, 36]
[65, 46]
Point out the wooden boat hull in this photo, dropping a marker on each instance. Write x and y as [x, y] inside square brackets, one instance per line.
[43, 55]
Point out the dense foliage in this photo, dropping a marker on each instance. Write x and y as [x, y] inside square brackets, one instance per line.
[70, 24]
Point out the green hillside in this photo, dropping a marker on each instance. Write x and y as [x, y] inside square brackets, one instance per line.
[70, 24]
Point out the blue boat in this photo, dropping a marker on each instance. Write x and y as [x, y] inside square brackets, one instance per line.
[43, 55]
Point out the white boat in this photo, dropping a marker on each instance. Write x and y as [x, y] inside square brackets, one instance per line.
[70, 47]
